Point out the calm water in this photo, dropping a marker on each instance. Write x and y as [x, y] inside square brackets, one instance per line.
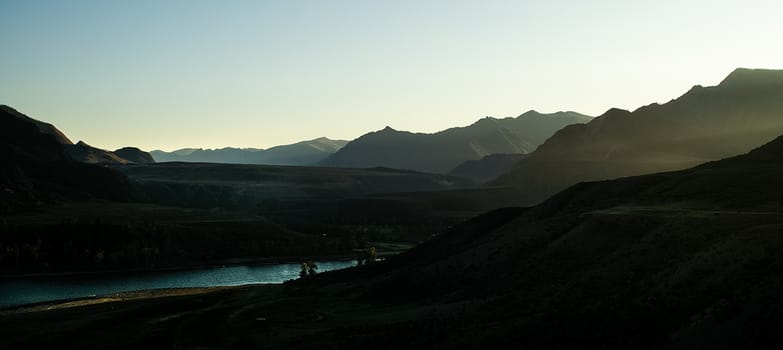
[18, 291]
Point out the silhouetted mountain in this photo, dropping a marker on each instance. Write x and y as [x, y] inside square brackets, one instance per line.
[82, 152]
[300, 153]
[134, 155]
[705, 124]
[36, 167]
[487, 168]
[44, 128]
[442, 151]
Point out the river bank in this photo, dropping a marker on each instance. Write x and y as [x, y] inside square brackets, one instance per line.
[116, 297]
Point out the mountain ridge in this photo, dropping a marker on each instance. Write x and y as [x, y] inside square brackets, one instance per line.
[441, 151]
[704, 124]
[306, 152]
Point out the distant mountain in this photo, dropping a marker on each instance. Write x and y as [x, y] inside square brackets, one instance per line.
[301, 153]
[487, 168]
[707, 123]
[37, 167]
[442, 151]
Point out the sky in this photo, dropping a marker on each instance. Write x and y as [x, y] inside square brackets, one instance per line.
[196, 73]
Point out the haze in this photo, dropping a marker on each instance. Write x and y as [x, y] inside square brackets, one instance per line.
[166, 75]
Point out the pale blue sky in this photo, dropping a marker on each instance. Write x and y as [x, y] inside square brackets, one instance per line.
[173, 74]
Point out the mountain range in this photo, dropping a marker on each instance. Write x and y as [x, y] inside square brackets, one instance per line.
[301, 153]
[706, 123]
[443, 151]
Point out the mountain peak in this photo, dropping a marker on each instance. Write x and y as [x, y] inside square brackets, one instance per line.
[617, 111]
[388, 129]
[486, 121]
[753, 77]
[529, 113]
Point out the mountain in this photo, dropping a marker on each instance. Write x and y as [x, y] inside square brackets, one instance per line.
[300, 153]
[487, 168]
[134, 155]
[9, 114]
[82, 152]
[442, 151]
[228, 155]
[37, 166]
[706, 123]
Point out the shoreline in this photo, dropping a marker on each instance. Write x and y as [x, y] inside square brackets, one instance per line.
[126, 296]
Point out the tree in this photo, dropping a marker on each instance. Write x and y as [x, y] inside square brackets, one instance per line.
[368, 256]
[311, 268]
[308, 268]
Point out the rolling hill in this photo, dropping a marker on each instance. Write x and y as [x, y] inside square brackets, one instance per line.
[443, 151]
[134, 155]
[707, 123]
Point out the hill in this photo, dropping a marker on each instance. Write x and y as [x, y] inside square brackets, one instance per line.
[44, 128]
[37, 168]
[134, 155]
[442, 151]
[301, 153]
[706, 123]
[82, 152]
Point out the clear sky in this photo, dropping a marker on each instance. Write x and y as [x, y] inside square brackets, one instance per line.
[172, 74]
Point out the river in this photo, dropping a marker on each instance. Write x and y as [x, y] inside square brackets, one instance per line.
[28, 290]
